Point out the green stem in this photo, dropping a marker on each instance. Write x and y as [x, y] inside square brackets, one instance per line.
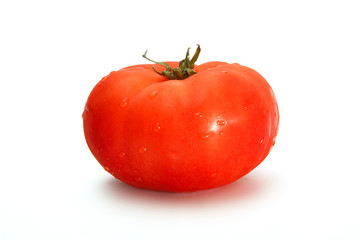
[184, 70]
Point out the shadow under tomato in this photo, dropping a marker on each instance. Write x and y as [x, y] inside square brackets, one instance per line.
[246, 189]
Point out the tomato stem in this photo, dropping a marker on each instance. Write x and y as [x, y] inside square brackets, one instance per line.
[184, 70]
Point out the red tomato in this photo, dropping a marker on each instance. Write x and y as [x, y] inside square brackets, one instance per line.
[175, 135]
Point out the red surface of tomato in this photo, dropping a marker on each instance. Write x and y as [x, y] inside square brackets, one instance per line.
[175, 135]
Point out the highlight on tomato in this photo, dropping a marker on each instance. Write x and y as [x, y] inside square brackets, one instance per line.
[177, 126]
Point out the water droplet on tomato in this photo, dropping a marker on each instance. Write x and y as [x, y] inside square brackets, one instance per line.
[273, 143]
[198, 115]
[86, 110]
[99, 150]
[109, 170]
[121, 155]
[124, 102]
[153, 93]
[156, 127]
[143, 149]
[261, 140]
[138, 179]
[221, 133]
[221, 122]
[224, 72]
[207, 135]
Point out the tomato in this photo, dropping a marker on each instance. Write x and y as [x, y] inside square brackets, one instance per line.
[183, 129]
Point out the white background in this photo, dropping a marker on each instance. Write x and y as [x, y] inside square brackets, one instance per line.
[53, 53]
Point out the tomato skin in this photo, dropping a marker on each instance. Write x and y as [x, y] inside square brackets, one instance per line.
[181, 135]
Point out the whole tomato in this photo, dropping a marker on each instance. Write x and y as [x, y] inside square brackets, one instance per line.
[185, 128]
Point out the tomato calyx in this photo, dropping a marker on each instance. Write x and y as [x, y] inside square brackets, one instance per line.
[184, 70]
